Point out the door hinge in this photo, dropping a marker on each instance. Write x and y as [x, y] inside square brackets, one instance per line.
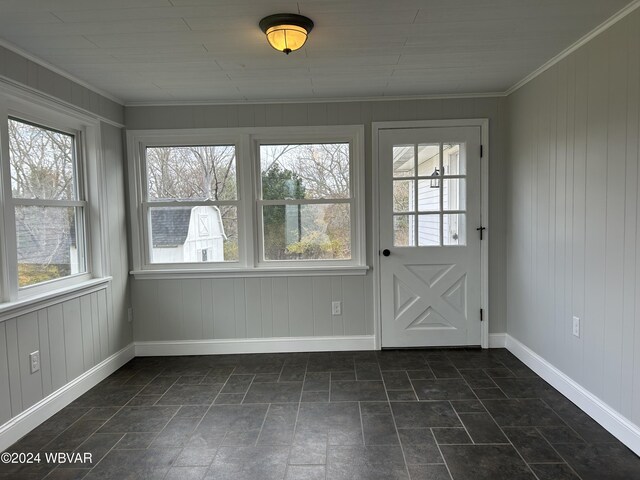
[481, 315]
[481, 151]
[481, 229]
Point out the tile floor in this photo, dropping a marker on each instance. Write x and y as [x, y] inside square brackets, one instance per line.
[417, 414]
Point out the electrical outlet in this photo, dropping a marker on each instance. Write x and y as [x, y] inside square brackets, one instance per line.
[130, 315]
[576, 327]
[336, 308]
[34, 359]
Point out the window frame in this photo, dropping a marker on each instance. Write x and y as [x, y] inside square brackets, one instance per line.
[247, 140]
[24, 107]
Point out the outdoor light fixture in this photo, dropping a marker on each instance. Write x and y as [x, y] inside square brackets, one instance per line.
[286, 32]
[435, 183]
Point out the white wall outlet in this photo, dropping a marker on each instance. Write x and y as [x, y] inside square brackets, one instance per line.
[336, 308]
[130, 315]
[576, 327]
[34, 360]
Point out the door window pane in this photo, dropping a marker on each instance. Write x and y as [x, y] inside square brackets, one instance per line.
[403, 195]
[404, 231]
[428, 230]
[191, 173]
[307, 232]
[47, 240]
[455, 229]
[42, 162]
[181, 234]
[428, 159]
[428, 196]
[453, 159]
[453, 194]
[403, 161]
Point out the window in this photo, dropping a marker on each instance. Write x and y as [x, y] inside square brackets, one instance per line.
[260, 199]
[48, 203]
[306, 202]
[192, 203]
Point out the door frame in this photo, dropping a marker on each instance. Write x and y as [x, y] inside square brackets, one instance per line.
[376, 127]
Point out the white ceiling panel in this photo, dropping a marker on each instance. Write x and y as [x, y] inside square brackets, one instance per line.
[213, 50]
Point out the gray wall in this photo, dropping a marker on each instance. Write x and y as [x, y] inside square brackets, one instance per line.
[181, 309]
[573, 239]
[23, 71]
[77, 334]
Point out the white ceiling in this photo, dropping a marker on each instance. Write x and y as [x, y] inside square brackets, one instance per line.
[213, 50]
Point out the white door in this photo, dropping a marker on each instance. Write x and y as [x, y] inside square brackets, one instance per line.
[430, 208]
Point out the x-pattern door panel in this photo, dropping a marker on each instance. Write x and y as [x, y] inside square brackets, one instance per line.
[429, 209]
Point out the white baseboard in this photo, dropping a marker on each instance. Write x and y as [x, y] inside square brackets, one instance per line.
[497, 340]
[619, 426]
[255, 345]
[26, 421]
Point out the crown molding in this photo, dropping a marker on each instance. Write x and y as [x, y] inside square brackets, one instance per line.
[49, 66]
[607, 24]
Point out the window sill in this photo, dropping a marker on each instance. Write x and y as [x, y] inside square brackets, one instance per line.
[37, 302]
[172, 274]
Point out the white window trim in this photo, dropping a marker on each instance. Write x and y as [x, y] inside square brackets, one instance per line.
[41, 111]
[248, 171]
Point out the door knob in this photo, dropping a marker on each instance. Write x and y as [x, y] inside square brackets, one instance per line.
[386, 252]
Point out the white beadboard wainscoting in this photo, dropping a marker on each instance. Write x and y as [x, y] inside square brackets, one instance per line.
[573, 219]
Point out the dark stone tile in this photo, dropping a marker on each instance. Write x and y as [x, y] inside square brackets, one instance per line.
[335, 423]
[379, 430]
[101, 413]
[482, 428]
[106, 395]
[317, 382]
[237, 384]
[315, 396]
[609, 461]
[396, 380]
[499, 372]
[97, 445]
[143, 400]
[560, 434]
[274, 393]
[524, 387]
[229, 399]
[531, 445]
[149, 464]
[192, 411]
[293, 373]
[217, 375]
[305, 472]
[190, 380]
[554, 471]
[279, 425]
[133, 441]
[485, 462]
[259, 368]
[468, 406]
[343, 391]
[425, 374]
[139, 419]
[477, 378]
[349, 376]
[233, 418]
[442, 390]
[488, 393]
[424, 414]
[401, 360]
[310, 453]
[190, 395]
[375, 408]
[176, 433]
[429, 472]
[579, 421]
[74, 436]
[522, 413]
[186, 473]
[266, 378]
[249, 463]
[402, 396]
[142, 377]
[244, 438]
[366, 463]
[468, 359]
[367, 371]
[67, 474]
[444, 370]
[327, 362]
[419, 446]
[451, 436]
[195, 457]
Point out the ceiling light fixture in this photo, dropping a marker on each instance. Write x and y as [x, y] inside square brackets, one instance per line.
[286, 32]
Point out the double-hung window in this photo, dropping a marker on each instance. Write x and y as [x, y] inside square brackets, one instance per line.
[247, 200]
[46, 201]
